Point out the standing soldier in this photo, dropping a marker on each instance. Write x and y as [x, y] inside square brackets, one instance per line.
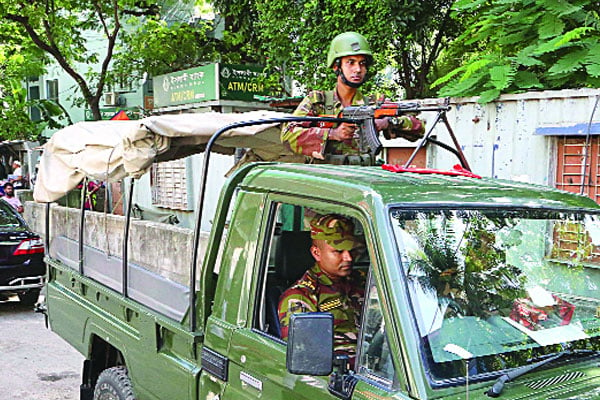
[350, 57]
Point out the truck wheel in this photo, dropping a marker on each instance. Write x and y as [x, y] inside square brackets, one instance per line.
[114, 384]
[30, 297]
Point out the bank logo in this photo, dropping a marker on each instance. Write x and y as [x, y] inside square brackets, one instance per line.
[225, 73]
[166, 85]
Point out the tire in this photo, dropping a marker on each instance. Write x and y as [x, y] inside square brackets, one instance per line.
[114, 384]
[30, 297]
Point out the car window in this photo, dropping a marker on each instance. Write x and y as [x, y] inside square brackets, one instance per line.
[7, 216]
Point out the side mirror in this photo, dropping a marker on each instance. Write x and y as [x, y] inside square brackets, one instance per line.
[310, 344]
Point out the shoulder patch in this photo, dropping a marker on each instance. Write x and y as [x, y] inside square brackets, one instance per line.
[317, 96]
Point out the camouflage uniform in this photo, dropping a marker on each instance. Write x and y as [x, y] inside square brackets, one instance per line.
[311, 141]
[303, 138]
[316, 292]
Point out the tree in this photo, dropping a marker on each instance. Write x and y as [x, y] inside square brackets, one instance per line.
[17, 62]
[510, 47]
[157, 46]
[406, 35]
[62, 29]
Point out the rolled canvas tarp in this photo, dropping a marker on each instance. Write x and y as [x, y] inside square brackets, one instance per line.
[112, 150]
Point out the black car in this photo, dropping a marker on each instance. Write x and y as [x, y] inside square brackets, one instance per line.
[22, 269]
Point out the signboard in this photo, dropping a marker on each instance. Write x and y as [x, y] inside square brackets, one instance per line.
[208, 83]
[108, 112]
[241, 82]
[188, 86]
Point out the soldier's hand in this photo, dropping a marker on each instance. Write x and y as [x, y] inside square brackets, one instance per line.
[382, 123]
[344, 131]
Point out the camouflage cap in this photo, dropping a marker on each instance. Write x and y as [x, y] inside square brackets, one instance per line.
[336, 230]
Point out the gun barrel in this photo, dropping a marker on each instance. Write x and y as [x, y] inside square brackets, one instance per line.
[416, 107]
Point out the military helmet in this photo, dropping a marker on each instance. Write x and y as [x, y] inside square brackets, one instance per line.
[348, 44]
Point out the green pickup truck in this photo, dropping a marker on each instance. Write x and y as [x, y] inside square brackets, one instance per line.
[475, 288]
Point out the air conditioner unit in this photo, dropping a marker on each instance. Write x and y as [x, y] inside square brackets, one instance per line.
[111, 98]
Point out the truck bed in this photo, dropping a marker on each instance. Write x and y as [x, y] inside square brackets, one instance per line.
[162, 295]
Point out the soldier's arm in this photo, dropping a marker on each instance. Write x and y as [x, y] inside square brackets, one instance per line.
[294, 300]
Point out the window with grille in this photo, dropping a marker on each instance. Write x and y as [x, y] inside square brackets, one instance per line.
[578, 166]
[572, 242]
[577, 171]
[52, 89]
[169, 182]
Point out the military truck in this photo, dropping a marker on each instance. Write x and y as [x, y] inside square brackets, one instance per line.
[475, 287]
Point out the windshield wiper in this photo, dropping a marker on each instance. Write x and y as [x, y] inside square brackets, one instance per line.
[496, 390]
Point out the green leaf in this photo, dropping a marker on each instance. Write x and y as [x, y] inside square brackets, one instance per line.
[550, 26]
[561, 7]
[569, 62]
[527, 80]
[573, 34]
[448, 76]
[527, 60]
[561, 40]
[474, 67]
[593, 69]
[488, 95]
[501, 76]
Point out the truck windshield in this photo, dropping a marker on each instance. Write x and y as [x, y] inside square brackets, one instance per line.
[499, 287]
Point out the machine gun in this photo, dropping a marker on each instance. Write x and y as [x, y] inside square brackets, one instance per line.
[369, 139]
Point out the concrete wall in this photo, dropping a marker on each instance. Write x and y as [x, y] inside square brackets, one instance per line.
[161, 248]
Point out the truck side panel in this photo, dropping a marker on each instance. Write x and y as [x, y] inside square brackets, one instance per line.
[157, 351]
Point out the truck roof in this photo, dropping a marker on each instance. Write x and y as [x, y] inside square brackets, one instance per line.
[352, 184]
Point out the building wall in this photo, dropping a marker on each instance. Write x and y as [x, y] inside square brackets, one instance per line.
[219, 165]
[499, 139]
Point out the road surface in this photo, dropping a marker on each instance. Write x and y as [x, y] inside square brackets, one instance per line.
[36, 363]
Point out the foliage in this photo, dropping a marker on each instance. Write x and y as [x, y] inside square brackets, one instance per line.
[470, 274]
[16, 63]
[15, 123]
[293, 37]
[156, 46]
[510, 47]
[74, 34]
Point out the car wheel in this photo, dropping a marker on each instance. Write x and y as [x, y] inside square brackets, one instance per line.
[114, 384]
[30, 297]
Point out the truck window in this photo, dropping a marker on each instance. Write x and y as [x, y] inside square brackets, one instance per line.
[375, 355]
[288, 256]
[504, 285]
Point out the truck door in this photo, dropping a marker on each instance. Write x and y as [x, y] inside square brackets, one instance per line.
[252, 350]
[257, 355]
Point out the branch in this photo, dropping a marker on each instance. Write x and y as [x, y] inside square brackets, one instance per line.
[112, 38]
[101, 17]
[438, 40]
[50, 48]
[152, 10]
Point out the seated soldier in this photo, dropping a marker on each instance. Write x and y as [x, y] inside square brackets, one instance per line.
[331, 285]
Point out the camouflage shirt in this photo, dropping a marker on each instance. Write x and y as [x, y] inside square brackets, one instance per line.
[316, 292]
[304, 138]
[312, 141]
